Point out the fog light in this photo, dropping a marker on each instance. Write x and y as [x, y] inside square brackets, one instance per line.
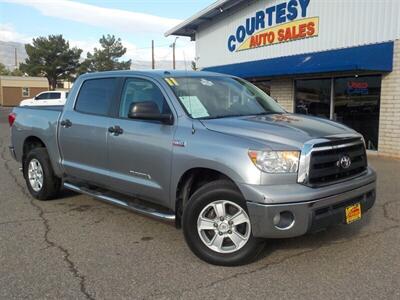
[284, 220]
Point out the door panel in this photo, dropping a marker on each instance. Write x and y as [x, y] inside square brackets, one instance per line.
[83, 131]
[140, 157]
[84, 146]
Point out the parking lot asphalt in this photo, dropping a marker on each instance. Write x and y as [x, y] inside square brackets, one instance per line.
[76, 247]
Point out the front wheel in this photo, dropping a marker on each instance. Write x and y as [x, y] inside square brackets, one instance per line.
[217, 226]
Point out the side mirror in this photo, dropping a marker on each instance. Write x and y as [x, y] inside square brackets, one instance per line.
[149, 111]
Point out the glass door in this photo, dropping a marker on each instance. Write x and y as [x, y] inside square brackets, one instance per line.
[357, 101]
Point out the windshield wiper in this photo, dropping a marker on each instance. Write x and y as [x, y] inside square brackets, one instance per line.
[265, 113]
[239, 115]
[221, 116]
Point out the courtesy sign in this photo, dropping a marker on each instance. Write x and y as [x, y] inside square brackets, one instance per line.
[276, 24]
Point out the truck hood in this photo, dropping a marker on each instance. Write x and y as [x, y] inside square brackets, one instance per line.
[283, 129]
[26, 101]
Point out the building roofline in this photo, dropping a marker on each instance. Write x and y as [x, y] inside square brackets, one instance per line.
[189, 26]
[23, 78]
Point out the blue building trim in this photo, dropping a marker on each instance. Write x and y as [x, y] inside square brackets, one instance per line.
[376, 57]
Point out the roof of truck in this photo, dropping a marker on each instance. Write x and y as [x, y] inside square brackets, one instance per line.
[152, 73]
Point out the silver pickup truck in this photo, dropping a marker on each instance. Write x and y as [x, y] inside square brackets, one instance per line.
[210, 152]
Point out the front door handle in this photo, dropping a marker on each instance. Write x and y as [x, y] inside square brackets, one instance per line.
[116, 130]
[66, 123]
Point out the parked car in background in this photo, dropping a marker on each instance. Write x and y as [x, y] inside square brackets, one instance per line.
[48, 98]
[211, 152]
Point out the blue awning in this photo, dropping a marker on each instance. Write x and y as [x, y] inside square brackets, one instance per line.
[376, 58]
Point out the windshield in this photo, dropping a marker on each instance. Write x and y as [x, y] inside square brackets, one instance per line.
[213, 97]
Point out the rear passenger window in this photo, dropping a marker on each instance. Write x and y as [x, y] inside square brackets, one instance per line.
[54, 96]
[95, 96]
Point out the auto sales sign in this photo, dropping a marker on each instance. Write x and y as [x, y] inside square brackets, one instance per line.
[284, 22]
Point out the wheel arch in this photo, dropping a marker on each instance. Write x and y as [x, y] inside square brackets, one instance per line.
[190, 181]
[31, 142]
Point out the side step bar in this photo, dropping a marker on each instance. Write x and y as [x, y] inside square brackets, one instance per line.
[136, 207]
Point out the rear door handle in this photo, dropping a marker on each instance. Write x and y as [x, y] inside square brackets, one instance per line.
[66, 123]
[116, 130]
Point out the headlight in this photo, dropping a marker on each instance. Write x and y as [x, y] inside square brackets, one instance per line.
[276, 161]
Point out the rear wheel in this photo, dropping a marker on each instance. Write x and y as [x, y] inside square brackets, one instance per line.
[217, 226]
[42, 183]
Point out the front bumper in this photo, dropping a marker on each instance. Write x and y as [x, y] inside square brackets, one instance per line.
[311, 215]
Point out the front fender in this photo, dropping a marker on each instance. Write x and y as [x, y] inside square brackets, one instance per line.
[207, 149]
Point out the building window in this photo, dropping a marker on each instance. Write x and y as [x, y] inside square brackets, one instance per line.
[354, 101]
[25, 92]
[313, 97]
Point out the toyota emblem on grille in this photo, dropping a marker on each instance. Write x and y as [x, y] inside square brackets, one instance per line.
[344, 162]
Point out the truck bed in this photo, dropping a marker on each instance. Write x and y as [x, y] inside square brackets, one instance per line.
[44, 107]
[39, 122]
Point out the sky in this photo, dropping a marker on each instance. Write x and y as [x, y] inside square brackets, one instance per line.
[83, 22]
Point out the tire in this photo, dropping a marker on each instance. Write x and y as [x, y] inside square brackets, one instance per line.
[204, 202]
[51, 184]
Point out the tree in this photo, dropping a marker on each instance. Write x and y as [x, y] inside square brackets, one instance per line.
[107, 57]
[7, 72]
[4, 70]
[17, 72]
[52, 58]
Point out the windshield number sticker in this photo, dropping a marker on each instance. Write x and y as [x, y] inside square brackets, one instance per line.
[172, 81]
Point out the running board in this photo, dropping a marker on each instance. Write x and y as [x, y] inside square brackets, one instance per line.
[136, 207]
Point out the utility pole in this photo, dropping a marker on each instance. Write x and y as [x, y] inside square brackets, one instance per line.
[152, 55]
[15, 57]
[173, 56]
[173, 53]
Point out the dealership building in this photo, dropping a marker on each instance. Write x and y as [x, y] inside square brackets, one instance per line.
[333, 59]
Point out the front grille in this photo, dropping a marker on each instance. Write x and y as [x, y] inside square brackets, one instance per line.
[325, 159]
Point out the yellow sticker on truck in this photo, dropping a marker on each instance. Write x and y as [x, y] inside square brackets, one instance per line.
[353, 213]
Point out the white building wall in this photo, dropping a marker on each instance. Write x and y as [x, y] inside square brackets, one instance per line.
[342, 24]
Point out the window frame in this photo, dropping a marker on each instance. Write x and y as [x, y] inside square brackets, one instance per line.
[28, 89]
[112, 101]
[117, 107]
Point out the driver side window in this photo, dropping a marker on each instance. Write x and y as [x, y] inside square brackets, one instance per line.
[141, 90]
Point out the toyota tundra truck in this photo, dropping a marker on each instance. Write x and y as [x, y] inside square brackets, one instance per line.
[210, 152]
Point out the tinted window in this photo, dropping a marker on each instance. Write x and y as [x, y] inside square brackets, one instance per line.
[357, 101]
[54, 95]
[313, 97]
[140, 90]
[95, 96]
[42, 96]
